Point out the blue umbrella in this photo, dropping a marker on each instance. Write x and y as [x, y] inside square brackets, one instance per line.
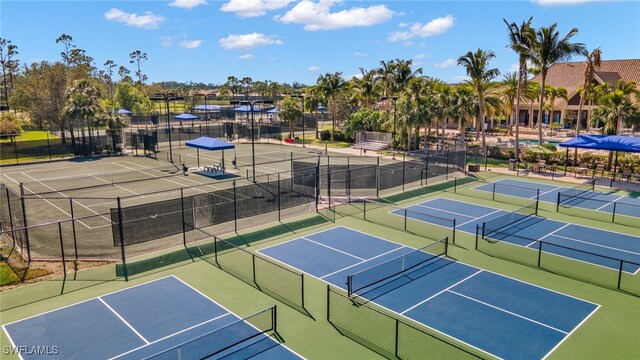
[247, 108]
[124, 111]
[186, 117]
[273, 111]
[321, 108]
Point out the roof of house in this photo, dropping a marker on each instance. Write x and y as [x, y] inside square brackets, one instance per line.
[570, 75]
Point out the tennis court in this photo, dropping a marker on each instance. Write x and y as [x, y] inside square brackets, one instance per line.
[522, 228]
[501, 316]
[165, 318]
[580, 196]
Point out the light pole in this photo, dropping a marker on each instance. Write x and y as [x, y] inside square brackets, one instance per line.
[251, 104]
[395, 100]
[166, 98]
[301, 96]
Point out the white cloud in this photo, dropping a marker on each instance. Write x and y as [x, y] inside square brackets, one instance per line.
[560, 2]
[314, 68]
[513, 68]
[167, 40]
[420, 56]
[191, 44]
[434, 27]
[253, 8]
[446, 64]
[248, 41]
[318, 16]
[246, 56]
[460, 78]
[187, 4]
[146, 21]
[358, 53]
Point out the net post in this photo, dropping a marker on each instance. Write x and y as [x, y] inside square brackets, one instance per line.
[24, 219]
[274, 318]
[404, 165]
[405, 219]
[253, 268]
[620, 274]
[302, 289]
[64, 263]
[446, 245]
[184, 225]
[364, 207]
[539, 252]
[477, 231]
[328, 304]
[493, 193]
[73, 227]
[537, 200]
[121, 231]
[558, 202]
[484, 226]
[613, 213]
[396, 339]
[349, 285]
[454, 231]
[215, 250]
[279, 200]
[455, 185]
[235, 209]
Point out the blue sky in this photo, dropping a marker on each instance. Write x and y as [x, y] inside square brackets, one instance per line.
[287, 41]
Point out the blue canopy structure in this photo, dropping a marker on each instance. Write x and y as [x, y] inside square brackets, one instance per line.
[604, 142]
[210, 144]
[273, 111]
[207, 107]
[124, 112]
[186, 117]
[247, 108]
[321, 108]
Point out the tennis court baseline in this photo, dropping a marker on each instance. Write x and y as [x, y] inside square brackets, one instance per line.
[524, 233]
[591, 200]
[503, 317]
[150, 320]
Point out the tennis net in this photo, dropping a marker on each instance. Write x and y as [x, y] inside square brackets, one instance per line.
[523, 213]
[398, 265]
[576, 194]
[224, 338]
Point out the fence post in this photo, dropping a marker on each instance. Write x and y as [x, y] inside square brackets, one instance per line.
[539, 252]
[121, 231]
[328, 303]
[493, 193]
[279, 194]
[558, 202]
[455, 185]
[397, 335]
[215, 250]
[15, 149]
[10, 215]
[613, 215]
[184, 225]
[405, 219]
[537, 200]
[26, 225]
[253, 268]
[329, 186]
[486, 151]
[49, 146]
[404, 165]
[378, 177]
[235, 209]
[73, 227]
[446, 175]
[364, 209]
[64, 264]
[348, 184]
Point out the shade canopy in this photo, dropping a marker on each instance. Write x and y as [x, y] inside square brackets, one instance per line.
[207, 107]
[321, 108]
[604, 142]
[124, 112]
[186, 117]
[246, 108]
[273, 111]
[209, 143]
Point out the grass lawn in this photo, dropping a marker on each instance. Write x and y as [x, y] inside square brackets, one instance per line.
[7, 276]
[31, 136]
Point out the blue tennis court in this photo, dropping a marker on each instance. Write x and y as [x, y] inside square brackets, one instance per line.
[501, 316]
[591, 200]
[524, 233]
[145, 321]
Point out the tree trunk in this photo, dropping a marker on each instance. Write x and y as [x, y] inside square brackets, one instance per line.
[540, 106]
[481, 116]
[517, 115]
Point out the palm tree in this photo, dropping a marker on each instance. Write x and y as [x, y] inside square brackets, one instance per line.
[83, 103]
[366, 89]
[547, 49]
[330, 85]
[477, 67]
[519, 37]
[615, 109]
[510, 89]
[402, 75]
[553, 93]
[593, 63]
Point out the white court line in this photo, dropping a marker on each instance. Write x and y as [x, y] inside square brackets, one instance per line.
[480, 217]
[162, 178]
[599, 245]
[440, 292]
[116, 185]
[363, 261]
[546, 192]
[554, 231]
[124, 321]
[13, 344]
[610, 202]
[507, 311]
[571, 332]
[447, 211]
[332, 248]
[170, 335]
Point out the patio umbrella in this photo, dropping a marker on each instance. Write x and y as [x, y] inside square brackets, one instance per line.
[124, 111]
[321, 108]
[273, 111]
[207, 107]
[186, 117]
[247, 108]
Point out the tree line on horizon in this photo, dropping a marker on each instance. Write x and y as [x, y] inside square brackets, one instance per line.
[395, 96]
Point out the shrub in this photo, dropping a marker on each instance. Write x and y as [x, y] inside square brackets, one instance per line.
[550, 146]
[325, 135]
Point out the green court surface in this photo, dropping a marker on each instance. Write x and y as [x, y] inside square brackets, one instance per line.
[611, 333]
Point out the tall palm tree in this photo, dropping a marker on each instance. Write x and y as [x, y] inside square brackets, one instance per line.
[615, 109]
[593, 63]
[402, 75]
[510, 89]
[547, 49]
[330, 85]
[83, 103]
[366, 88]
[519, 41]
[477, 67]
